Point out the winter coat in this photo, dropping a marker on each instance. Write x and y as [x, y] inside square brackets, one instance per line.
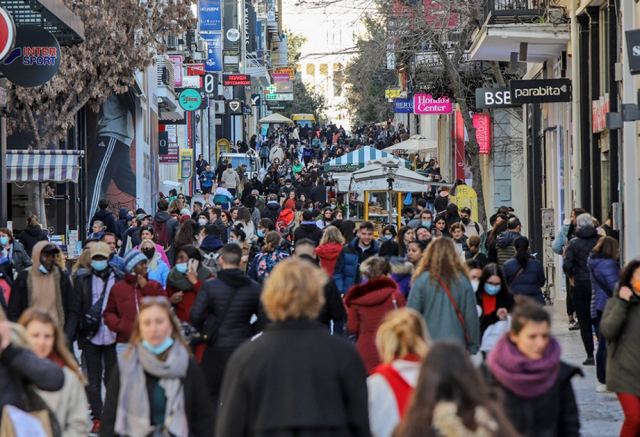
[158, 270]
[121, 223]
[328, 256]
[319, 194]
[347, 269]
[575, 258]
[620, 326]
[308, 230]
[164, 219]
[279, 385]
[30, 236]
[504, 247]
[70, 405]
[211, 243]
[20, 367]
[383, 406]
[333, 308]
[401, 273]
[183, 308]
[367, 305]
[106, 217]
[276, 152]
[163, 254]
[271, 211]
[122, 307]
[605, 273]
[504, 299]
[527, 281]
[230, 178]
[429, 299]
[561, 239]
[264, 262]
[210, 303]
[19, 258]
[197, 405]
[552, 414]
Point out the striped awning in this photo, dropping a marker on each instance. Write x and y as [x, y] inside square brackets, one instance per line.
[43, 165]
[357, 159]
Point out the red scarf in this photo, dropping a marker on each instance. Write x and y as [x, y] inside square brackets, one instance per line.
[400, 387]
[489, 304]
[53, 356]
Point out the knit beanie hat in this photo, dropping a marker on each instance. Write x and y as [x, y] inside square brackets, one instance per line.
[133, 258]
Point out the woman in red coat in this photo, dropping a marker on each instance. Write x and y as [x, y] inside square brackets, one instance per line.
[329, 248]
[367, 304]
[124, 299]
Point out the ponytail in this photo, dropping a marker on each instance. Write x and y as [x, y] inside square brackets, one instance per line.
[521, 245]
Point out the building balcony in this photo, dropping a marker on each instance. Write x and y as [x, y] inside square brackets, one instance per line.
[532, 28]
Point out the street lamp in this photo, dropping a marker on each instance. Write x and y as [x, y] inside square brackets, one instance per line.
[390, 170]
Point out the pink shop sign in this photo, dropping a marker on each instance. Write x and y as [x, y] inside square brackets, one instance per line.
[426, 104]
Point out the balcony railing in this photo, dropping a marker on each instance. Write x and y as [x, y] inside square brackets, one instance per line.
[515, 11]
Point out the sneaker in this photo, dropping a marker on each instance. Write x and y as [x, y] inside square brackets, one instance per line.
[589, 362]
[574, 325]
[96, 426]
[601, 388]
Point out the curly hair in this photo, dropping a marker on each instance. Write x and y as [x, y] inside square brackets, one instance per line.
[442, 259]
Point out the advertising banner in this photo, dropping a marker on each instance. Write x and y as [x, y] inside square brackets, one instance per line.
[236, 80]
[249, 27]
[230, 22]
[482, 123]
[213, 64]
[540, 91]
[209, 17]
[459, 137]
[177, 61]
[403, 106]
[488, 98]
[633, 50]
[426, 104]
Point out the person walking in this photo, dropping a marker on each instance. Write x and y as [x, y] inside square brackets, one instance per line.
[347, 268]
[605, 272]
[262, 391]
[186, 280]
[535, 384]
[231, 179]
[222, 312]
[402, 342]
[32, 234]
[367, 303]
[495, 302]
[69, 404]
[329, 248]
[13, 252]
[620, 326]
[165, 228]
[157, 269]
[156, 389]
[124, 299]
[525, 274]
[105, 216]
[576, 268]
[308, 229]
[264, 262]
[206, 177]
[451, 399]
[442, 293]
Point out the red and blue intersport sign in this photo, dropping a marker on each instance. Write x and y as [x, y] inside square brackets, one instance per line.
[35, 58]
[7, 33]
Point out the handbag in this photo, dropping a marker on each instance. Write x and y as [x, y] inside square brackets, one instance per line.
[36, 420]
[467, 337]
[90, 323]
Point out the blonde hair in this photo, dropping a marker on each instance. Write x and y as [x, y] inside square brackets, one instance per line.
[441, 257]
[402, 332]
[375, 267]
[145, 243]
[83, 261]
[331, 234]
[294, 290]
[59, 346]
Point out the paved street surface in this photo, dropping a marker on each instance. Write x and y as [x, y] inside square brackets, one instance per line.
[600, 413]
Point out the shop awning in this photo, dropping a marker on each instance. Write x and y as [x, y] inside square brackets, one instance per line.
[43, 165]
[357, 159]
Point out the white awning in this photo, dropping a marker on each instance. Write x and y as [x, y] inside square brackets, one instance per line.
[43, 165]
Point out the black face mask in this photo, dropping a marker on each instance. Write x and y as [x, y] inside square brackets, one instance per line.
[466, 221]
[149, 252]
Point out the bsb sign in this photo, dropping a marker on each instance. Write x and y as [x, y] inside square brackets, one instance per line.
[540, 91]
[489, 98]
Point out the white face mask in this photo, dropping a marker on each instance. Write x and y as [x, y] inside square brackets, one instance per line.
[202, 221]
[475, 283]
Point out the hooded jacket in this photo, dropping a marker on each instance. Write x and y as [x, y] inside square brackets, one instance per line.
[604, 280]
[19, 258]
[121, 224]
[210, 303]
[163, 217]
[504, 246]
[30, 236]
[580, 247]
[347, 272]
[106, 217]
[527, 281]
[308, 230]
[271, 211]
[328, 255]
[367, 304]
[124, 300]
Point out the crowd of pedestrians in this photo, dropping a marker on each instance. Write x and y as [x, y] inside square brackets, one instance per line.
[263, 311]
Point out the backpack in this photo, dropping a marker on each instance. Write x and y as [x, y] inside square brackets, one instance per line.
[210, 260]
[161, 231]
[266, 262]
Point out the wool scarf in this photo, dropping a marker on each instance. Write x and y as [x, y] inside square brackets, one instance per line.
[180, 282]
[133, 414]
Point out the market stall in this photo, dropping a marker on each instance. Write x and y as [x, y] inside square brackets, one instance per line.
[275, 119]
[357, 159]
[416, 144]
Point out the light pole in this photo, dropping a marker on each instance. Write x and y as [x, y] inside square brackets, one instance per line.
[390, 170]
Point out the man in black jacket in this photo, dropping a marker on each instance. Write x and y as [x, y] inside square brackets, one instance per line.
[105, 216]
[308, 229]
[223, 311]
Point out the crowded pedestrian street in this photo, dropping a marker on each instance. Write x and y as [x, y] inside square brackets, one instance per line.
[258, 218]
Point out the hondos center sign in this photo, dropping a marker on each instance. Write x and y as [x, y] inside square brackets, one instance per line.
[540, 91]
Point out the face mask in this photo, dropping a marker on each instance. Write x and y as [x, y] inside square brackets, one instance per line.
[260, 233]
[42, 269]
[387, 237]
[332, 206]
[475, 283]
[466, 221]
[4, 241]
[161, 348]
[149, 252]
[491, 289]
[202, 222]
[426, 223]
[99, 265]
[181, 268]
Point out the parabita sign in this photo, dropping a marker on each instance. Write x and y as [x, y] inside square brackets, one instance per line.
[540, 91]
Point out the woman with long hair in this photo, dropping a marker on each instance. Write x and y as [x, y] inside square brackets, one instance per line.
[535, 385]
[244, 218]
[451, 399]
[238, 236]
[405, 236]
[620, 326]
[69, 404]
[402, 342]
[495, 302]
[157, 387]
[367, 303]
[264, 262]
[525, 274]
[414, 253]
[442, 293]
[187, 234]
[605, 272]
[185, 280]
[147, 233]
[329, 248]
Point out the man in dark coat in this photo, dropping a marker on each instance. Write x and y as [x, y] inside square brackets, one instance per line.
[347, 270]
[272, 209]
[308, 229]
[105, 216]
[222, 312]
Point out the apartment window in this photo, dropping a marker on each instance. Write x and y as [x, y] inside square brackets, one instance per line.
[311, 69]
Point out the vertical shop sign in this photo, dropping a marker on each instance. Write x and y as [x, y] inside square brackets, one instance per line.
[482, 123]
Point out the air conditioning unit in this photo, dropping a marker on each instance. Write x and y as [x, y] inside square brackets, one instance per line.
[172, 42]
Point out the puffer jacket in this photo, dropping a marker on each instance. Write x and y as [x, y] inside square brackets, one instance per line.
[347, 272]
[328, 254]
[271, 211]
[620, 326]
[504, 246]
[527, 281]
[366, 305]
[401, 272]
[578, 251]
[19, 257]
[605, 273]
[210, 303]
[307, 230]
[30, 236]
